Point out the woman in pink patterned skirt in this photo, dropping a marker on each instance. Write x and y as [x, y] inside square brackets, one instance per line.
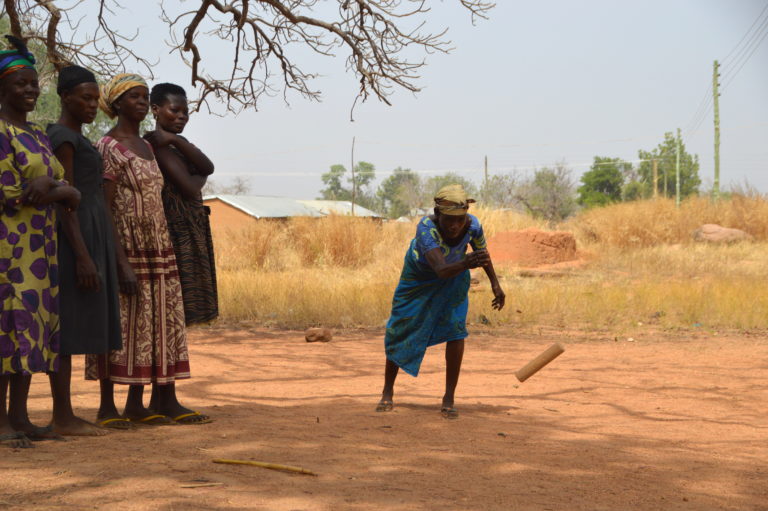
[151, 306]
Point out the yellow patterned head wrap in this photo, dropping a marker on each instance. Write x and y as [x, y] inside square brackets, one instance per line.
[116, 87]
[452, 200]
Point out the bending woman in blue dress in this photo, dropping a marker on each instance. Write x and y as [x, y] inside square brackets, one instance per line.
[431, 301]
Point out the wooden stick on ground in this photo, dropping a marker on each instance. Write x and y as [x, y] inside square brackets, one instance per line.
[271, 466]
[537, 363]
[200, 485]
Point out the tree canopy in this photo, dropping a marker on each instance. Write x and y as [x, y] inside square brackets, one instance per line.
[665, 154]
[383, 41]
[602, 184]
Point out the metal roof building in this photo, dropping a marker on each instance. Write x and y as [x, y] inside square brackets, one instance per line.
[264, 207]
[338, 207]
[234, 212]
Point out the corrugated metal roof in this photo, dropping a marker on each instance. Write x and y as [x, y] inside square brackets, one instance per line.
[266, 207]
[338, 207]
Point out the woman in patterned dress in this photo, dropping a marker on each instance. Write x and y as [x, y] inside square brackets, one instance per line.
[185, 169]
[30, 184]
[151, 307]
[431, 300]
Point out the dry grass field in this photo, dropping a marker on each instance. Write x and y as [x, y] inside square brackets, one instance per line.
[640, 266]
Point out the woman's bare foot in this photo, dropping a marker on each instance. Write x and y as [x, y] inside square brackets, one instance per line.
[75, 426]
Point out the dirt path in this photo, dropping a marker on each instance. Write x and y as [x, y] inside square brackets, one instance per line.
[660, 423]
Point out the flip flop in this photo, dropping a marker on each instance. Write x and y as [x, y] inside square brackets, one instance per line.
[116, 423]
[449, 412]
[153, 420]
[16, 440]
[181, 419]
[385, 405]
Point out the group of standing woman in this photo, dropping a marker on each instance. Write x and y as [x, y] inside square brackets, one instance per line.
[105, 250]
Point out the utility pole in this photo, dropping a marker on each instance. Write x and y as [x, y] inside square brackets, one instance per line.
[716, 99]
[677, 171]
[354, 183]
[655, 178]
[486, 174]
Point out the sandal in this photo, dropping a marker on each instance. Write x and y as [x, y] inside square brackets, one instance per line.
[116, 423]
[192, 418]
[449, 412]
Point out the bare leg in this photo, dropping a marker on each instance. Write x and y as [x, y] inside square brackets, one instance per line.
[65, 422]
[390, 373]
[17, 410]
[8, 435]
[164, 401]
[107, 408]
[108, 416]
[454, 354]
[135, 410]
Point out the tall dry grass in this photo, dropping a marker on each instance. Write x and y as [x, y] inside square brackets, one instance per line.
[341, 272]
[653, 222]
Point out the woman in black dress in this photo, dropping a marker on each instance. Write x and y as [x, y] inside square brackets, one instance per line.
[90, 310]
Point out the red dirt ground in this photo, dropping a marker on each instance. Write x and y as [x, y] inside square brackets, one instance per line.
[669, 422]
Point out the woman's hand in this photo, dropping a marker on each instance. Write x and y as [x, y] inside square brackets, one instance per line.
[37, 189]
[70, 197]
[129, 285]
[478, 258]
[88, 277]
[160, 137]
[498, 298]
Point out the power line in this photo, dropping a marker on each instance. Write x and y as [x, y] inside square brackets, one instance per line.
[736, 59]
[754, 49]
[725, 61]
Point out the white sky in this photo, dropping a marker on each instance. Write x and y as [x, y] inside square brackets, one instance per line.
[540, 82]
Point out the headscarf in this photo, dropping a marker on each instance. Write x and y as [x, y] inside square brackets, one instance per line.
[72, 76]
[116, 87]
[18, 58]
[452, 200]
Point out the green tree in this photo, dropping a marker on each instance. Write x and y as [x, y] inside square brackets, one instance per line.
[665, 154]
[335, 188]
[499, 191]
[399, 193]
[602, 183]
[549, 193]
[334, 184]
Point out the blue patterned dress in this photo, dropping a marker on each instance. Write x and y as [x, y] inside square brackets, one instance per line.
[427, 310]
[29, 317]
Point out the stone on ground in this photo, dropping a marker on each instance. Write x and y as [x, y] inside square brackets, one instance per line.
[714, 233]
[318, 335]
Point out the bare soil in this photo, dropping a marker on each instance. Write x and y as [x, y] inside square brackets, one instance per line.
[669, 421]
[533, 247]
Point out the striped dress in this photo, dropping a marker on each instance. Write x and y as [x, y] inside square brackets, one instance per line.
[154, 336]
[190, 231]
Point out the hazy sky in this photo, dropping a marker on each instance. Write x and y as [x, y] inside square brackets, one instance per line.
[540, 82]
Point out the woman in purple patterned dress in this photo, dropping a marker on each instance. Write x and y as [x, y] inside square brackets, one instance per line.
[30, 184]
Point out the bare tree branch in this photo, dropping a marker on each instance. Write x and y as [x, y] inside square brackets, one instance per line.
[384, 42]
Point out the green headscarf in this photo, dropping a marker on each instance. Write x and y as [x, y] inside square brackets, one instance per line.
[18, 58]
